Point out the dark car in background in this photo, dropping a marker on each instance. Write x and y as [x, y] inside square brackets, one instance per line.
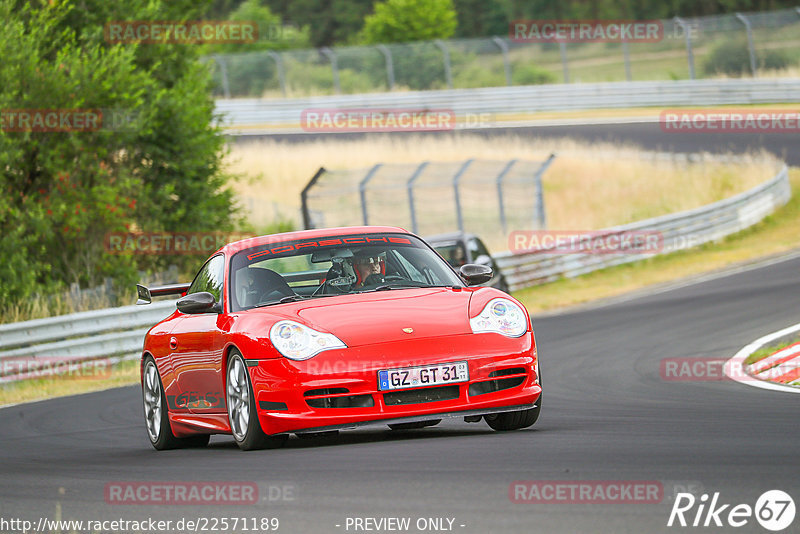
[458, 248]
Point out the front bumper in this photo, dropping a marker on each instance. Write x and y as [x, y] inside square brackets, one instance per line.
[339, 388]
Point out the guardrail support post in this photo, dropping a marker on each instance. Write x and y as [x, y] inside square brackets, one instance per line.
[456, 179]
[446, 58]
[279, 67]
[540, 211]
[307, 224]
[331, 55]
[223, 69]
[750, 45]
[626, 53]
[500, 202]
[562, 48]
[387, 54]
[503, 46]
[410, 187]
[362, 191]
[689, 52]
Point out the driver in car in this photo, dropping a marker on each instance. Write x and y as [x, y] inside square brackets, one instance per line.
[370, 267]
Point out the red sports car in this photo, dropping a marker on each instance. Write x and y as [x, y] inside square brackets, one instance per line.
[314, 331]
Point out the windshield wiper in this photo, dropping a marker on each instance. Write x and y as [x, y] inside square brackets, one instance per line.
[289, 298]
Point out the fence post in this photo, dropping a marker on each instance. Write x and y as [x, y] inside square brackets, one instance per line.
[751, 47]
[456, 179]
[279, 66]
[328, 53]
[362, 191]
[223, 69]
[540, 211]
[446, 58]
[506, 62]
[689, 52]
[627, 55]
[304, 198]
[389, 64]
[562, 47]
[500, 202]
[410, 188]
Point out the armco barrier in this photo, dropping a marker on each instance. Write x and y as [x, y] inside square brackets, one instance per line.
[700, 225]
[119, 332]
[253, 115]
[112, 333]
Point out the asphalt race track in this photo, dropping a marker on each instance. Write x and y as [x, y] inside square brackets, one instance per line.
[608, 415]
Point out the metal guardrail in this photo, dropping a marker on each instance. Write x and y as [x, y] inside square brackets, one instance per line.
[119, 332]
[114, 332]
[697, 226]
[242, 116]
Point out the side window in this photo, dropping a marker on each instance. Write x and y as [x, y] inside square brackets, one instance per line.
[477, 248]
[210, 278]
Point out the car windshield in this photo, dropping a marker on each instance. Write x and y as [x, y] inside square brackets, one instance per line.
[286, 271]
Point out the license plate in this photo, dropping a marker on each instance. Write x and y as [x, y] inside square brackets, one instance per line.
[425, 375]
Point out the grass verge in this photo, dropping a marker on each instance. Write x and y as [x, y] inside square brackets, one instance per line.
[122, 374]
[775, 234]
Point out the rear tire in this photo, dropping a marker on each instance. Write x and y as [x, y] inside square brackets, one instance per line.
[156, 413]
[415, 425]
[242, 414]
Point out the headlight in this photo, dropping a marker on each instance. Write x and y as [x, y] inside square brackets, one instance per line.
[501, 316]
[298, 342]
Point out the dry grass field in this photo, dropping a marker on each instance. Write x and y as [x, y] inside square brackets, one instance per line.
[588, 186]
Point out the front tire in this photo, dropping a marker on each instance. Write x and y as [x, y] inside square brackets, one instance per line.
[156, 415]
[514, 420]
[242, 414]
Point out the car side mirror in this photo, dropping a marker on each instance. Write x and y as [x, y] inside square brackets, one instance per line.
[203, 302]
[475, 274]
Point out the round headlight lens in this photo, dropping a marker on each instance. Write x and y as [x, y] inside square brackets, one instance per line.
[501, 316]
[299, 342]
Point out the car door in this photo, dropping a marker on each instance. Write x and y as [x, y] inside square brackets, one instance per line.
[198, 343]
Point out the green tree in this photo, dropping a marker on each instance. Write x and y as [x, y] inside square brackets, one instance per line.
[154, 162]
[397, 21]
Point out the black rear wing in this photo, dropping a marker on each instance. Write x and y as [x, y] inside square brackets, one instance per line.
[146, 294]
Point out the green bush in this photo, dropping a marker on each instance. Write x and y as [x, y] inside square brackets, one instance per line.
[732, 57]
[531, 75]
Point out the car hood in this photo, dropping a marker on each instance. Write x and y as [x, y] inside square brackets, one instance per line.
[383, 316]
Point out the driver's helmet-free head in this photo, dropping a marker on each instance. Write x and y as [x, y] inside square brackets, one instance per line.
[367, 262]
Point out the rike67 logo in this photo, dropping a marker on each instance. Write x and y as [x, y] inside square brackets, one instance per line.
[774, 510]
[196, 400]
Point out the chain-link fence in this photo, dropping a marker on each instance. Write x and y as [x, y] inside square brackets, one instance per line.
[485, 197]
[727, 45]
